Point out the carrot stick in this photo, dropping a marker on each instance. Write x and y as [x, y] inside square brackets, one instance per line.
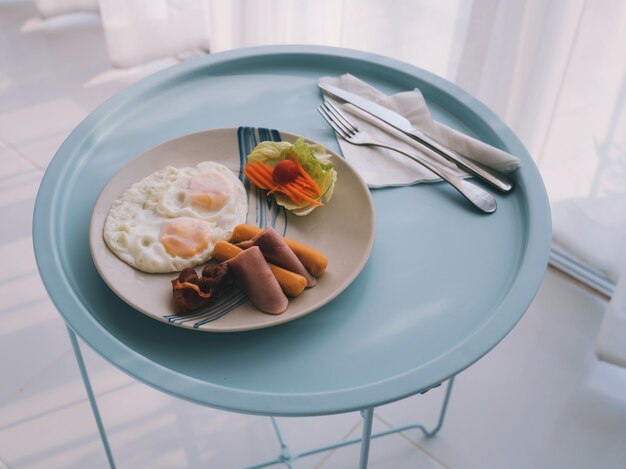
[303, 188]
[254, 180]
[265, 172]
[269, 171]
[305, 175]
[261, 180]
[260, 176]
[303, 183]
[289, 193]
[306, 190]
[257, 172]
[302, 195]
[277, 188]
[301, 180]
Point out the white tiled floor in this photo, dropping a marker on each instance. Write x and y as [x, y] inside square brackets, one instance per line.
[540, 399]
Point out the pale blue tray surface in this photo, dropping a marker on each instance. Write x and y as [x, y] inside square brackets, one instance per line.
[442, 287]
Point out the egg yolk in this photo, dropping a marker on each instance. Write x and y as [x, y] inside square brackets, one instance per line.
[185, 237]
[208, 191]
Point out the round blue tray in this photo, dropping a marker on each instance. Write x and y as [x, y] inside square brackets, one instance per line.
[443, 284]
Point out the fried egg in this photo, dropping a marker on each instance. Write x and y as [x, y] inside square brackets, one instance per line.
[171, 219]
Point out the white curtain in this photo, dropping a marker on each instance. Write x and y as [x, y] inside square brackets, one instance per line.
[141, 30]
[138, 31]
[50, 8]
[245, 23]
[514, 59]
[555, 72]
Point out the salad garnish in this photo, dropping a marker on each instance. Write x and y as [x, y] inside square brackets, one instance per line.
[299, 175]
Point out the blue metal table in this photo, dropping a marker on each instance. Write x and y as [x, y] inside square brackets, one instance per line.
[442, 287]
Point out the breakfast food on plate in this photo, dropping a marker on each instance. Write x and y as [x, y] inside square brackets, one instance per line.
[171, 219]
[291, 283]
[178, 218]
[192, 292]
[299, 175]
[263, 265]
[276, 251]
[314, 261]
[258, 281]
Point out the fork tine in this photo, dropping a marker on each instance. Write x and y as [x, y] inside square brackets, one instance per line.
[331, 122]
[333, 116]
[342, 117]
[332, 113]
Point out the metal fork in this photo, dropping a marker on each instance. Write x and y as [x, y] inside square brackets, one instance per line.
[347, 130]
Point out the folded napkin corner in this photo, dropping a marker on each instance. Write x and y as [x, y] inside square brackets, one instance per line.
[384, 168]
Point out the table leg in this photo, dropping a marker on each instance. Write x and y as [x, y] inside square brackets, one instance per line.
[442, 412]
[286, 457]
[368, 418]
[90, 394]
[285, 454]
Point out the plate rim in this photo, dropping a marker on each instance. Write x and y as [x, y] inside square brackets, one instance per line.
[209, 327]
[68, 302]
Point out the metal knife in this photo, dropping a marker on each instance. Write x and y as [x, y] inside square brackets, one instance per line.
[489, 175]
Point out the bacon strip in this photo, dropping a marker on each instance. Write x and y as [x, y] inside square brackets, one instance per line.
[191, 292]
[179, 286]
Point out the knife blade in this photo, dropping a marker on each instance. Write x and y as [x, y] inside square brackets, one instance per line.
[489, 175]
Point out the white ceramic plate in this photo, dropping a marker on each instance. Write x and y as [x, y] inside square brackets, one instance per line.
[343, 230]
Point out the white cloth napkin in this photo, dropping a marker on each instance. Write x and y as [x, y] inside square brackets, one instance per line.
[383, 168]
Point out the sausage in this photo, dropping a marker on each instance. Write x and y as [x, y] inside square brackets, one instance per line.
[275, 250]
[257, 280]
[291, 283]
[314, 261]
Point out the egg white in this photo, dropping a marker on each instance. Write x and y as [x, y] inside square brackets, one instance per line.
[135, 220]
